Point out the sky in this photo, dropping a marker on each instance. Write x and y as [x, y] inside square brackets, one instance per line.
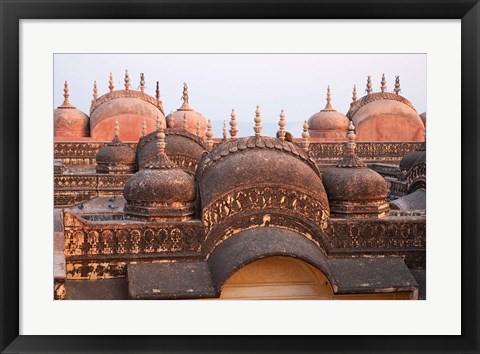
[217, 83]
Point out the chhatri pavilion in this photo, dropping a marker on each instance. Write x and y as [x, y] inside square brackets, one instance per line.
[153, 206]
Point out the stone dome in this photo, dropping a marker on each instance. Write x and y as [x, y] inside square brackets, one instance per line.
[161, 191]
[385, 116]
[131, 108]
[413, 158]
[187, 118]
[182, 147]
[354, 190]
[69, 122]
[116, 157]
[328, 124]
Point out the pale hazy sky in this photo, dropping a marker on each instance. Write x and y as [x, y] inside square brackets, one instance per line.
[219, 82]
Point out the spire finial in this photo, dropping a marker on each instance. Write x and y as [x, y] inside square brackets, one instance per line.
[142, 82]
[354, 93]
[161, 140]
[397, 89]
[184, 121]
[281, 124]
[369, 85]
[209, 135]
[198, 126]
[95, 90]
[258, 123]
[171, 120]
[351, 146]
[350, 159]
[305, 137]
[144, 127]
[225, 131]
[185, 93]
[157, 92]
[127, 80]
[66, 103]
[233, 125]
[110, 83]
[383, 83]
[116, 130]
[328, 106]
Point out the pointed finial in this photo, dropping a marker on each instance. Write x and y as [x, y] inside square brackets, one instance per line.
[157, 92]
[354, 93]
[184, 121]
[233, 125]
[185, 93]
[127, 80]
[209, 135]
[305, 137]
[397, 85]
[142, 82]
[198, 126]
[258, 123]
[144, 127]
[161, 140]
[328, 106]
[281, 124]
[110, 83]
[95, 91]
[383, 83]
[225, 131]
[171, 120]
[116, 129]
[369, 85]
[66, 103]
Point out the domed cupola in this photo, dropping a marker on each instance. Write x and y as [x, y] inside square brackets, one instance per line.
[128, 106]
[328, 124]
[354, 190]
[69, 122]
[187, 117]
[161, 191]
[116, 157]
[385, 116]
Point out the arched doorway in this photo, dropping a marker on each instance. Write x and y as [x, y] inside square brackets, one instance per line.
[277, 277]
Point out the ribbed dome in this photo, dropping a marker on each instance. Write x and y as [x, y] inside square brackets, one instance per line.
[328, 124]
[187, 118]
[116, 157]
[161, 191]
[354, 190]
[413, 158]
[131, 108]
[70, 122]
[385, 116]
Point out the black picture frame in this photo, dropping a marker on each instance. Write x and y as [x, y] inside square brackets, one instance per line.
[13, 11]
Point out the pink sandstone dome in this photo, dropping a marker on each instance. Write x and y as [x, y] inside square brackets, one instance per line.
[70, 122]
[386, 116]
[328, 124]
[132, 109]
[187, 118]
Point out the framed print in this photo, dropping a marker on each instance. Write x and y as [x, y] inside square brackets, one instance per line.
[221, 170]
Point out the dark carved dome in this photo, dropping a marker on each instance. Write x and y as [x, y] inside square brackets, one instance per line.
[116, 157]
[353, 189]
[160, 191]
[69, 122]
[183, 148]
[413, 158]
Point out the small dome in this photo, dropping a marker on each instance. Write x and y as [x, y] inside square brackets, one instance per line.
[413, 158]
[354, 190]
[70, 122]
[161, 191]
[129, 107]
[187, 118]
[423, 117]
[116, 157]
[328, 124]
[385, 116]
